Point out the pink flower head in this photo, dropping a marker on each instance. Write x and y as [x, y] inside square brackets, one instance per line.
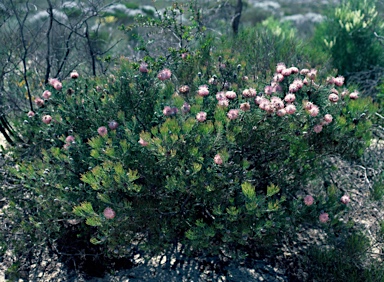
[74, 74]
[218, 160]
[345, 199]
[318, 128]
[202, 116]
[334, 91]
[46, 94]
[305, 81]
[47, 119]
[293, 87]
[143, 68]
[184, 89]
[268, 90]
[52, 81]
[308, 105]
[268, 108]
[330, 80]
[212, 81]
[286, 72]
[248, 93]
[278, 77]
[233, 114]
[344, 93]
[290, 109]
[354, 95]
[298, 82]
[281, 112]
[203, 90]
[304, 71]
[69, 139]
[339, 81]
[31, 114]
[142, 142]
[164, 74]
[324, 217]
[328, 118]
[280, 67]
[185, 108]
[290, 98]
[113, 125]
[102, 130]
[259, 99]
[245, 106]
[184, 56]
[333, 97]
[277, 103]
[39, 102]
[314, 111]
[109, 213]
[312, 74]
[276, 87]
[230, 95]
[294, 69]
[221, 96]
[167, 111]
[264, 103]
[308, 200]
[223, 103]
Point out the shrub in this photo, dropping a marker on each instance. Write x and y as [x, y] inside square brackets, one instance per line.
[186, 150]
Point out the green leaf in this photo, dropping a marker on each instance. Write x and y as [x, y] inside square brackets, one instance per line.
[85, 209]
[94, 241]
[248, 191]
[104, 198]
[132, 175]
[272, 189]
[93, 221]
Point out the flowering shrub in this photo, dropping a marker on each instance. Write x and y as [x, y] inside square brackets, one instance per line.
[136, 159]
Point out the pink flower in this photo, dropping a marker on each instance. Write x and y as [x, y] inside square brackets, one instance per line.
[318, 128]
[203, 90]
[278, 77]
[47, 119]
[339, 81]
[290, 98]
[218, 160]
[39, 102]
[276, 87]
[290, 109]
[304, 71]
[324, 217]
[220, 96]
[142, 142]
[286, 72]
[277, 103]
[164, 74]
[212, 81]
[202, 116]
[248, 93]
[314, 111]
[46, 94]
[259, 99]
[281, 112]
[113, 125]
[344, 93]
[52, 81]
[233, 114]
[185, 108]
[109, 213]
[328, 119]
[223, 103]
[308, 105]
[334, 91]
[74, 74]
[294, 69]
[58, 86]
[70, 139]
[184, 89]
[354, 95]
[308, 200]
[345, 199]
[312, 74]
[167, 111]
[280, 67]
[293, 87]
[184, 56]
[31, 114]
[143, 68]
[230, 95]
[268, 90]
[102, 130]
[245, 106]
[333, 97]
